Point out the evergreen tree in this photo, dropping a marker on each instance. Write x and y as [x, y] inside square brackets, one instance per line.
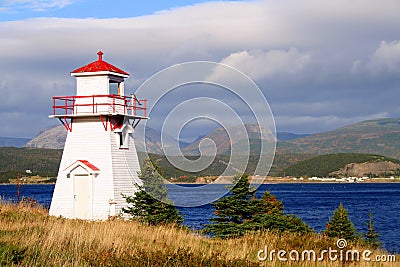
[233, 210]
[150, 204]
[241, 212]
[340, 226]
[269, 214]
[371, 237]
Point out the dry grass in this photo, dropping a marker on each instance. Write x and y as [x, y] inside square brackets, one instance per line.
[29, 237]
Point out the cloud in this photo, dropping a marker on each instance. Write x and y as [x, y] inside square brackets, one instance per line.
[385, 59]
[37, 5]
[311, 59]
[259, 64]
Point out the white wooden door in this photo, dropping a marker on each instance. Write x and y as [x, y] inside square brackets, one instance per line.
[81, 196]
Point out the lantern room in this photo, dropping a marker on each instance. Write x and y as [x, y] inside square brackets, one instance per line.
[100, 91]
[99, 78]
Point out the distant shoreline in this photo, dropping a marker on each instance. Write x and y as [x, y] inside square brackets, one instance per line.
[286, 180]
[268, 180]
[301, 182]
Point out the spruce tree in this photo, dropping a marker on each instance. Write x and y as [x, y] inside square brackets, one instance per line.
[150, 204]
[233, 210]
[340, 225]
[241, 212]
[371, 237]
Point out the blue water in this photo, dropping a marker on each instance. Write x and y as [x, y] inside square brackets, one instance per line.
[314, 203]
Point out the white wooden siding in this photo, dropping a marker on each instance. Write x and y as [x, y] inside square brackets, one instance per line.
[118, 170]
[126, 166]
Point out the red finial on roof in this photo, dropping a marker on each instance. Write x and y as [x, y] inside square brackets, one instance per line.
[100, 55]
[99, 65]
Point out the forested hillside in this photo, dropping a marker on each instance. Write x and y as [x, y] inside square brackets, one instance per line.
[45, 162]
[15, 161]
[325, 165]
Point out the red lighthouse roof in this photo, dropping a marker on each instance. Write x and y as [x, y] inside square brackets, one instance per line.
[83, 163]
[99, 65]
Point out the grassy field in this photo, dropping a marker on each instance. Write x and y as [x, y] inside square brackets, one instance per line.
[30, 237]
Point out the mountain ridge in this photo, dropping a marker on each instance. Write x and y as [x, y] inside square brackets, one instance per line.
[222, 140]
[380, 137]
[371, 137]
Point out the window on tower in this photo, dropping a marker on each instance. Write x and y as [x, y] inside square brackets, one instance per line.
[123, 140]
[114, 88]
[122, 137]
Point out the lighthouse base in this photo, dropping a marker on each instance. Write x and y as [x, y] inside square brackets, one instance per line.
[98, 165]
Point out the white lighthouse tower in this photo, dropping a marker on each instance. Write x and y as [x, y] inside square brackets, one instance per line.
[99, 162]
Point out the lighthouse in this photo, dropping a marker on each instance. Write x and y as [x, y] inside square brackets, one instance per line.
[99, 161]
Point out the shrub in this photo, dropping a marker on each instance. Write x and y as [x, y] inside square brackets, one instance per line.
[10, 254]
[150, 204]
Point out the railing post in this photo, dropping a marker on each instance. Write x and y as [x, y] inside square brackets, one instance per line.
[145, 108]
[125, 104]
[134, 107]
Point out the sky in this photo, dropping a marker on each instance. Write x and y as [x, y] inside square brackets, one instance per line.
[320, 64]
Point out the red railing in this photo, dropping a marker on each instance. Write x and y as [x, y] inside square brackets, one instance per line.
[99, 104]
